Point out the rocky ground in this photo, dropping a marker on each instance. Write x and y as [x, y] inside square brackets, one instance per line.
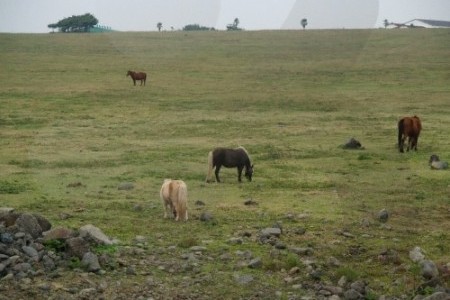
[41, 262]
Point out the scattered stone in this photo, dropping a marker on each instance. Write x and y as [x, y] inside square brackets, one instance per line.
[243, 279]
[235, 241]
[29, 224]
[351, 294]
[416, 254]
[197, 249]
[206, 217]
[303, 251]
[428, 269]
[95, 233]
[352, 143]
[199, 203]
[438, 296]
[250, 202]
[75, 184]
[255, 263]
[76, 247]
[125, 186]
[299, 230]
[271, 232]
[90, 262]
[436, 164]
[383, 215]
[59, 233]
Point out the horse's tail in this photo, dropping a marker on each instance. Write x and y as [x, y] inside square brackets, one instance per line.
[182, 213]
[401, 128]
[210, 166]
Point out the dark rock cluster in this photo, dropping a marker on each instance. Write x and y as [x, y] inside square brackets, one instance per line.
[30, 247]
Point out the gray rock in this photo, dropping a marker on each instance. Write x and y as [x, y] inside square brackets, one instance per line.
[428, 269]
[416, 254]
[255, 263]
[438, 296]
[197, 249]
[89, 293]
[351, 294]
[206, 216]
[271, 232]
[29, 224]
[31, 252]
[359, 286]
[48, 263]
[6, 238]
[383, 215]
[43, 222]
[303, 251]
[77, 247]
[235, 241]
[22, 267]
[125, 186]
[90, 262]
[352, 143]
[58, 234]
[243, 279]
[95, 233]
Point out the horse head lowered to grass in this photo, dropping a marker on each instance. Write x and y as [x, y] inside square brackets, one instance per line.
[409, 127]
[229, 158]
[174, 197]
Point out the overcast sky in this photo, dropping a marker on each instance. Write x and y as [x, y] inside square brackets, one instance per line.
[143, 15]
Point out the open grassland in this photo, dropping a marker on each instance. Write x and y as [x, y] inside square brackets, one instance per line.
[69, 115]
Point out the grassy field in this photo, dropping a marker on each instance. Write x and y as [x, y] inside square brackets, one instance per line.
[69, 115]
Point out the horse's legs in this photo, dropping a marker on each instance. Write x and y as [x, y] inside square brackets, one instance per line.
[414, 145]
[167, 207]
[410, 143]
[240, 173]
[217, 172]
[402, 143]
[134, 81]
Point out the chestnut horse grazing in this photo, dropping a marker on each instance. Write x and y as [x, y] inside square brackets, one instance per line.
[229, 158]
[409, 127]
[137, 76]
[174, 197]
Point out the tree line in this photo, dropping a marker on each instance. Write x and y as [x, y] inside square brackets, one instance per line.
[82, 23]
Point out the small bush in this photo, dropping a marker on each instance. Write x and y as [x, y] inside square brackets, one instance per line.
[349, 273]
[55, 245]
[292, 260]
[188, 242]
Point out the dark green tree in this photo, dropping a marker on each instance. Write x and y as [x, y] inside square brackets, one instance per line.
[82, 23]
[304, 22]
[159, 26]
[196, 27]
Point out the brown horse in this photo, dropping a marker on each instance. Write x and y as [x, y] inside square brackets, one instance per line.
[409, 127]
[137, 76]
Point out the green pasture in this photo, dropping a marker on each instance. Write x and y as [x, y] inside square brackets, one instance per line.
[73, 127]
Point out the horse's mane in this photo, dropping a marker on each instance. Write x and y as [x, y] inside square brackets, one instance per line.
[243, 149]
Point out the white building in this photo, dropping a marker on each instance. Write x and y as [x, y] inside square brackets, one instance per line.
[423, 23]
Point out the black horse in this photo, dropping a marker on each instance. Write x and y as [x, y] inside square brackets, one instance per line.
[229, 158]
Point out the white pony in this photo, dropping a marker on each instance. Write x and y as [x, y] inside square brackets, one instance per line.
[174, 197]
